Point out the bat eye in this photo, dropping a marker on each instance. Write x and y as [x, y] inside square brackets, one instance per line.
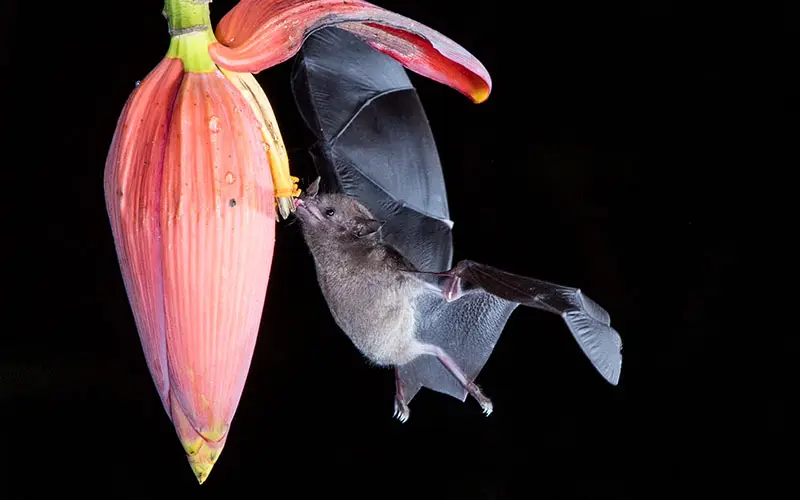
[329, 212]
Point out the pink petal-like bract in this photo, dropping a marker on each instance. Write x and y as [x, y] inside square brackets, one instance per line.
[258, 34]
[191, 203]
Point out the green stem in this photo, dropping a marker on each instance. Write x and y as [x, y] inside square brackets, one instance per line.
[190, 29]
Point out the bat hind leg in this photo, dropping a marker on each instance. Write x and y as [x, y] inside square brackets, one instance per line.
[401, 411]
[458, 373]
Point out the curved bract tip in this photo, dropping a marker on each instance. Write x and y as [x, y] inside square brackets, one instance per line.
[258, 34]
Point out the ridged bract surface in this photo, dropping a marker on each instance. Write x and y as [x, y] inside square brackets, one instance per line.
[191, 203]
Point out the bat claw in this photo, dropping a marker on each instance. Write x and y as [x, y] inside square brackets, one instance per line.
[486, 403]
[401, 411]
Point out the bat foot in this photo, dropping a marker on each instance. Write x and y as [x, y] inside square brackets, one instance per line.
[486, 403]
[401, 411]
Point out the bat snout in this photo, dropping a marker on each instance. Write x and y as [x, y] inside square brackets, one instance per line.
[307, 211]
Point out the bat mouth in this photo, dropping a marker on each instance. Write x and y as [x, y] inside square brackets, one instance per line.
[307, 208]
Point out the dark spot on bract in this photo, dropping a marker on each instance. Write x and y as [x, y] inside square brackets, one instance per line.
[232, 203]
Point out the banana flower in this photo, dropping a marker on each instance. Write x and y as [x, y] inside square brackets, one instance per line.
[197, 175]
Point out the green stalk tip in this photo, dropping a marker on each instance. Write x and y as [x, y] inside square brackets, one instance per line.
[190, 29]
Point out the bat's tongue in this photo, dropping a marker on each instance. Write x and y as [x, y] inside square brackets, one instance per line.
[298, 202]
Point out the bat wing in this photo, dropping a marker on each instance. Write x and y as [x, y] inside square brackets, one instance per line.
[589, 323]
[374, 143]
[467, 329]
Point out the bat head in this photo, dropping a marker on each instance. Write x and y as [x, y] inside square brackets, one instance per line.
[335, 214]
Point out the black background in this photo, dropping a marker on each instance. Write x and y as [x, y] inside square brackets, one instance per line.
[620, 151]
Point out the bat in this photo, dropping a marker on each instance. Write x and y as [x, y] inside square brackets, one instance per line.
[437, 329]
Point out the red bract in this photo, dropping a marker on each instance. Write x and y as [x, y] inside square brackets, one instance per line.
[258, 34]
[192, 209]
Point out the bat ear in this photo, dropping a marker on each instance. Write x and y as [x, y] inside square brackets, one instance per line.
[313, 189]
[366, 227]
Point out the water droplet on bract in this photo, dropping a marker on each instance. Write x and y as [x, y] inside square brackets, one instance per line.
[138, 82]
[213, 124]
[229, 178]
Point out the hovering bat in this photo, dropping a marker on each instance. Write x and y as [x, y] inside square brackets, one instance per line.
[437, 329]
[375, 145]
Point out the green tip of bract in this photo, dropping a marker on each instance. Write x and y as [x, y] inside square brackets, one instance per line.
[202, 462]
